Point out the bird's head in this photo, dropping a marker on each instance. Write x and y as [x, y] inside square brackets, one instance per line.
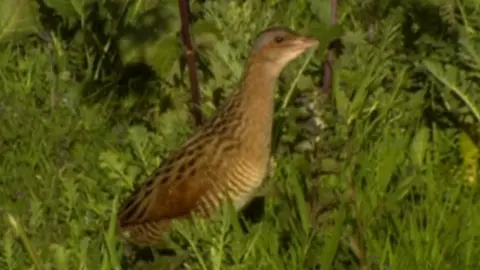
[280, 45]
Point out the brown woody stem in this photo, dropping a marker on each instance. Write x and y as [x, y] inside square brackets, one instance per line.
[191, 62]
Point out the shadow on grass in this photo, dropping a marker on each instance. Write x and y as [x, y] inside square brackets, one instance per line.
[106, 79]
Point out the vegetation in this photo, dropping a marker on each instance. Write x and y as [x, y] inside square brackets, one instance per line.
[379, 174]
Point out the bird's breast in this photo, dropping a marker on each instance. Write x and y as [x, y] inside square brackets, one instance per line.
[243, 180]
[237, 182]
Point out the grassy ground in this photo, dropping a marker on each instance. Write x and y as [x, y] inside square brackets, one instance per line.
[381, 184]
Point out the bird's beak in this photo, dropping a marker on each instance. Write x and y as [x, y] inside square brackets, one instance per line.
[305, 43]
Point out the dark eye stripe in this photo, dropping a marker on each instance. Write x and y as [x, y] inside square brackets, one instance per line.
[279, 39]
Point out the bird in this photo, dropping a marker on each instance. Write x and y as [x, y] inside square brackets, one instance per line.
[226, 159]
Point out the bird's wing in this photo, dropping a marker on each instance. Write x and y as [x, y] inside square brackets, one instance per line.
[176, 188]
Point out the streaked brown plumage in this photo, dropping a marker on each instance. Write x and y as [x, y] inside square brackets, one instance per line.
[227, 157]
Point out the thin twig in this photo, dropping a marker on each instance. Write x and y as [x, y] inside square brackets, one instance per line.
[191, 62]
[328, 69]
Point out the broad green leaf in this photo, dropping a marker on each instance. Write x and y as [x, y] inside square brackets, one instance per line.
[419, 146]
[61, 256]
[332, 243]
[325, 33]
[321, 9]
[112, 162]
[447, 78]
[305, 82]
[330, 165]
[470, 155]
[341, 101]
[205, 32]
[166, 52]
[64, 7]
[19, 18]
[302, 205]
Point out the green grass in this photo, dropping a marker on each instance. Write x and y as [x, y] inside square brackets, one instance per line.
[380, 184]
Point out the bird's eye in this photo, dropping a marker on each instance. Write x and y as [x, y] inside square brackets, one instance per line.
[279, 39]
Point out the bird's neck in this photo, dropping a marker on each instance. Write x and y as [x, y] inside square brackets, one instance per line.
[256, 98]
[256, 92]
